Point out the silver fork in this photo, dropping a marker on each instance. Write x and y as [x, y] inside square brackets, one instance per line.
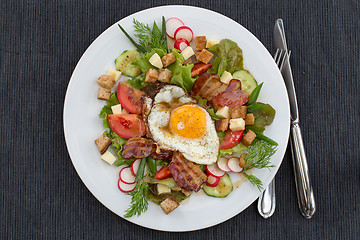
[267, 201]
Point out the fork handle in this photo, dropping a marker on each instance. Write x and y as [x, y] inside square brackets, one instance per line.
[304, 189]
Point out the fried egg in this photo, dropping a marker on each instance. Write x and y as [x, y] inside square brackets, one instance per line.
[177, 123]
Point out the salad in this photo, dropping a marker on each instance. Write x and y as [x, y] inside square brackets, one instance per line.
[185, 119]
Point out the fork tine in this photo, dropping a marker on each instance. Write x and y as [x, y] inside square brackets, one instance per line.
[286, 56]
[280, 57]
[276, 54]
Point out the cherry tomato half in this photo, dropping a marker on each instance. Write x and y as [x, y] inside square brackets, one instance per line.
[231, 139]
[163, 173]
[129, 98]
[127, 125]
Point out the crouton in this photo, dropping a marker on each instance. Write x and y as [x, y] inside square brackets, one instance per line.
[186, 192]
[248, 138]
[238, 112]
[104, 94]
[164, 75]
[168, 59]
[250, 119]
[242, 160]
[222, 124]
[168, 205]
[197, 53]
[106, 81]
[103, 142]
[204, 56]
[151, 75]
[200, 42]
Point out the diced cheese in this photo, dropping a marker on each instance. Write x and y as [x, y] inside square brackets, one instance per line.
[237, 124]
[223, 112]
[226, 77]
[155, 60]
[116, 109]
[115, 74]
[108, 157]
[187, 52]
[211, 42]
[162, 188]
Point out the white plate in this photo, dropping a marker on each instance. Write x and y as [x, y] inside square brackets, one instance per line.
[82, 124]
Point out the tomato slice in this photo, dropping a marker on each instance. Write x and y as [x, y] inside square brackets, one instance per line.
[231, 139]
[163, 173]
[127, 125]
[200, 68]
[129, 97]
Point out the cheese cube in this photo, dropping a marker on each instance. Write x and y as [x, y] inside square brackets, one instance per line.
[114, 73]
[108, 157]
[223, 112]
[116, 109]
[162, 189]
[155, 60]
[237, 124]
[226, 77]
[211, 42]
[187, 52]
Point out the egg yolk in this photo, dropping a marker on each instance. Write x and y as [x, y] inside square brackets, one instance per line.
[188, 121]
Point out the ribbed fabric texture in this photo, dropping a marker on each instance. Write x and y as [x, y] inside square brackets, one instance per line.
[41, 195]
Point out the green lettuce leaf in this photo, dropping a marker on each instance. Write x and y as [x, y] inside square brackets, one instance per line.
[106, 110]
[138, 82]
[264, 115]
[211, 111]
[229, 57]
[144, 63]
[181, 75]
[239, 148]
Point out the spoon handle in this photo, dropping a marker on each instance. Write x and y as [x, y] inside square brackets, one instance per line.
[267, 201]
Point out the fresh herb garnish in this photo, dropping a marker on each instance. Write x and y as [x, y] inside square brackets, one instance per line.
[254, 181]
[258, 156]
[139, 198]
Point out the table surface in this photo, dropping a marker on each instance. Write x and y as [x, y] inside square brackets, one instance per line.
[41, 195]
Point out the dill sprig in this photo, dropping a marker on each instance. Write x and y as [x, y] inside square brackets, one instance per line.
[149, 38]
[254, 181]
[258, 155]
[139, 199]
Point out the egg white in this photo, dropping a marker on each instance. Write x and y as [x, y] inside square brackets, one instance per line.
[203, 150]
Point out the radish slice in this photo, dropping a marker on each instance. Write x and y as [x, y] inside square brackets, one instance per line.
[234, 164]
[135, 166]
[223, 164]
[126, 175]
[171, 25]
[124, 187]
[214, 170]
[212, 181]
[181, 44]
[184, 32]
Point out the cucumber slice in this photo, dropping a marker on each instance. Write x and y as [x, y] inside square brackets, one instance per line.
[123, 63]
[223, 189]
[248, 82]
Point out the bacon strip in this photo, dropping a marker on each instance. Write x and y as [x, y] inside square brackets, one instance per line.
[138, 147]
[208, 86]
[164, 155]
[232, 96]
[186, 174]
